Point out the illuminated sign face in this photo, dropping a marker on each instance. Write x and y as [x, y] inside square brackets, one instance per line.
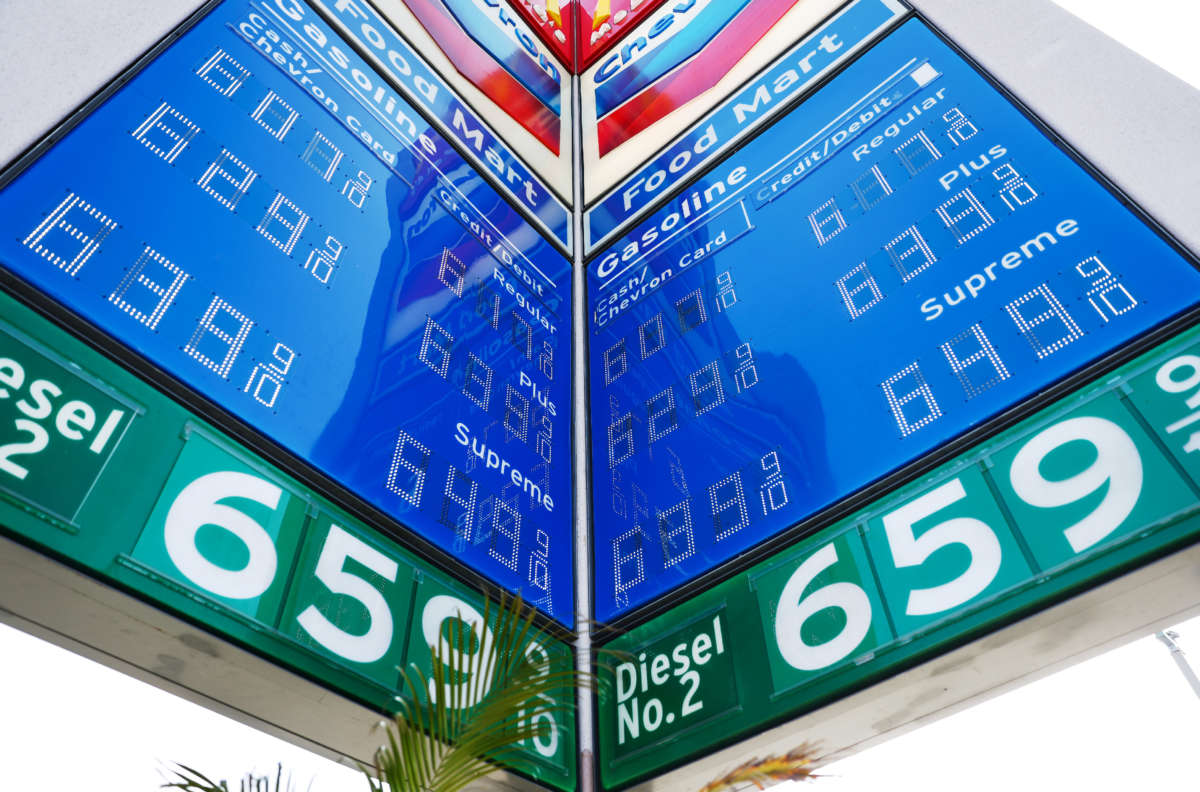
[673, 68]
[554, 21]
[580, 31]
[899, 259]
[515, 94]
[273, 226]
[716, 131]
[205, 529]
[1093, 484]
[603, 23]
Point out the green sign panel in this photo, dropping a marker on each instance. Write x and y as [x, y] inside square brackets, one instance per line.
[1104, 480]
[59, 426]
[100, 469]
[669, 686]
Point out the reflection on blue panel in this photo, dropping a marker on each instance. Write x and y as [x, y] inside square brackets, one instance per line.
[902, 257]
[309, 254]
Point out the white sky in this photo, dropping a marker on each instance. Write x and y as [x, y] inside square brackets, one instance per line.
[1126, 720]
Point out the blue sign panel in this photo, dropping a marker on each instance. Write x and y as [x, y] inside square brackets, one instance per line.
[735, 118]
[457, 120]
[325, 268]
[898, 260]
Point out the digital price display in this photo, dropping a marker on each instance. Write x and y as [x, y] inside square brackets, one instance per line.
[260, 216]
[210, 532]
[1096, 484]
[902, 257]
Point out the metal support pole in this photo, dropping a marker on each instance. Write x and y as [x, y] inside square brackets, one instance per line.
[583, 551]
[1168, 638]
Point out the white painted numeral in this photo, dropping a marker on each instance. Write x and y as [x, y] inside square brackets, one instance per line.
[331, 571]
[910, 550]
[1117, 465]
[199, 505]
[795, 608]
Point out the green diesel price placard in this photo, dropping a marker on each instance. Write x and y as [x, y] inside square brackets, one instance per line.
[839, 568]
[221, 524]
[58, 426]
[99, 468]
[1100, 482]
[671, 685]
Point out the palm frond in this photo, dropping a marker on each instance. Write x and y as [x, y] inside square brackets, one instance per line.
[188, 779]
[479, 709]
[492, 690]
[797, 764]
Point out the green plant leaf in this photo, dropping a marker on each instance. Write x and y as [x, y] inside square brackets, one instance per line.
[464, 720]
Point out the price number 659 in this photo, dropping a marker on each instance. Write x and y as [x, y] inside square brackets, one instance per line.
[1116, 468]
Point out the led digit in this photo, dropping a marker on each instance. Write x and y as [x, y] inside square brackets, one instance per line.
[436, 345]
[910, 253]
[726, 296]
[675, 531]
[166, 132]
[162, 293]
[477, 381]
[661, 416]
[283, 223]
[408, 487]
[275, 115]
[233, 179]
[223, 73]
[270, 376]
[356, 188]
[546, 360]
[626, 551]
[691, 311]
[544, 446]
[506, 525]
[964, 361]
[917, 153]
[461, 491]
[620, 440]
[615, 362]
[1102, 285]
[1053, 313]
[964, 206]
[650, 336]
[452, 272]
[1015, 192]
[322, 155]
[707, 390]
[961, 127]
[210, 338]
[522, 335]
[487, 304]
[870, 188]
[773, 491]
[728, 500]
[516, 413]
[859, 290]
[826, 221]
[920, 394]
[321, 263]
[84, 227]
[745, 374]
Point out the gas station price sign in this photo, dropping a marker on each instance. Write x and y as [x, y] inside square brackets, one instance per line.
[259, 215]
[1102, 481]
[210, 532]
[900, 258]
